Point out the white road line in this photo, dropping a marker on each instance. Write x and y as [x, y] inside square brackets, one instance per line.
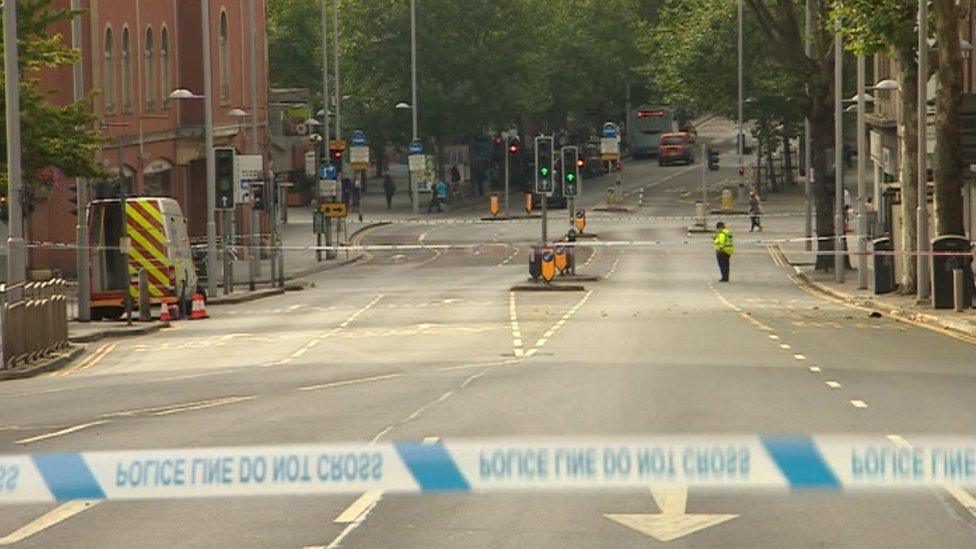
[899, 442]
[348, 382]
[516, 331]
[65, 431]
[358, 507]
[964, 498]
[834, 385]
[859, 404]
[800, 357]
[772, 336]
[784, 346]
[815, 369]
[205, 405]
[59, 514]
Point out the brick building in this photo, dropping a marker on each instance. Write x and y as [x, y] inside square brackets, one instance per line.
[134, 53]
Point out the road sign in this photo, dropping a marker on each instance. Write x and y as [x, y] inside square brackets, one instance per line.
[611, 130]
[334, 209]
[416, 147]
[561, 259]
[328, 187]
[358, 138]
[548, 265]
[310, 163]
[610, 148]
[249, 170]
[328, 171]
[580, 221]
[337, 144]
[418, 162]
[359, 157]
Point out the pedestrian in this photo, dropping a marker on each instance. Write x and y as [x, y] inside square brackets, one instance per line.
[443, 191]
[755, 211]
[389, 189]
[347, 191]
[723, 249]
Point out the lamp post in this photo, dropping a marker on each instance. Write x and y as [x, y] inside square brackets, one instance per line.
[415, 193]
[413, 93]
[807, 154]
[16, 247]
[922, 214]
[838, 153]
[740, 140]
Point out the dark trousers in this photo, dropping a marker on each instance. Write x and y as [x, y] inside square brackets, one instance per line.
[389, 201]
[756, 223]
[435, 203]
[723, 264]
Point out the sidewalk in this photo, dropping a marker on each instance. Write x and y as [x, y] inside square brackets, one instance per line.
[895, 305]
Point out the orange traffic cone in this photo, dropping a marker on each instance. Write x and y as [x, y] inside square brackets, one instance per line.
[199, 309]
[164, 313]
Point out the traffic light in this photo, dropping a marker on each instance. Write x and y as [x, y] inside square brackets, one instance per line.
[73, 199]
[543, 165]
[513, 146]
[336, 155]
[712, 160]
[224, 165]
[571, 171]
[580, 162]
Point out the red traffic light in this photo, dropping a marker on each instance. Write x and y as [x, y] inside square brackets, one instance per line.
[336, 154]
[580, 162]
[513, 146]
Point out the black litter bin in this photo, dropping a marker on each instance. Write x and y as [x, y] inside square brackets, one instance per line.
[535, 262]
[951, 252]
[884, 266]
[571, 251]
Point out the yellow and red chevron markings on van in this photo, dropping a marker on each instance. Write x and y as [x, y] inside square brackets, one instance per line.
[144, 226]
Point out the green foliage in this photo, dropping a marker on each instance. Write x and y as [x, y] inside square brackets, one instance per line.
[53, 135]
[872, 26]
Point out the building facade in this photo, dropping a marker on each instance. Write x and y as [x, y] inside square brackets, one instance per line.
[134, 54]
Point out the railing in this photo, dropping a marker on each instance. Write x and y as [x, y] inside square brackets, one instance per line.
[35, 320]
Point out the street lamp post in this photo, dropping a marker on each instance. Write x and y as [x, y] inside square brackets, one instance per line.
[740, 138]
[16, 248]
[862, 153]
[807, 151]
[838, 153]
[413, 93]
[922, 213]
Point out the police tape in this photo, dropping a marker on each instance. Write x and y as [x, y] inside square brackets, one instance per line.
[792, 462]
[592, 215]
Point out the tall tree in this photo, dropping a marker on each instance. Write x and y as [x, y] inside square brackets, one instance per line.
[883, 26]
[53, 135]
[780, 22]
[948, 166]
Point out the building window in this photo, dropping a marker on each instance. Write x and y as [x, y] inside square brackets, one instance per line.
[108, 83]
[150, 71]
[224, 45]
[126, 73]
[164, 61]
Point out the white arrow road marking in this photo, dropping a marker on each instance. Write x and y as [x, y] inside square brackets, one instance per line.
[49, 519]
[672, 522]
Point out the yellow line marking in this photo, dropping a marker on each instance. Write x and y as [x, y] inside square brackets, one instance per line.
[58, 514]
[348, 382]
[90, 362]
[859, 404]
[65, 431]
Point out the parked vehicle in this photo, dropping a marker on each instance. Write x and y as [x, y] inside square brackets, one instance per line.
[676, 147]
[158, 243]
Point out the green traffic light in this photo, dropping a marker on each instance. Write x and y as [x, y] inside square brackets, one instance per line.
[544, 171]
[570, 177]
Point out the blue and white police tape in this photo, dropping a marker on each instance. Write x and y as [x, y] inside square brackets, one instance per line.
[727, 461]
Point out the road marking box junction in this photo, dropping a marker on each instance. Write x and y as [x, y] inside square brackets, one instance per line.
[750, 461]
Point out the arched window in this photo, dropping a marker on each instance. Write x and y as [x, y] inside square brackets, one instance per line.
[126, 72]
[150, 70]
[224, 45]
[108, 76]
[164, 62]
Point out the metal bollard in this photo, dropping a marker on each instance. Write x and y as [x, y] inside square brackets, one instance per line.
[958, 291]
[144, 313]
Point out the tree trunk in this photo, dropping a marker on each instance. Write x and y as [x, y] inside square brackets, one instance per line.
[948, 163]
[787, 156]
[908, 96]
[822, 141]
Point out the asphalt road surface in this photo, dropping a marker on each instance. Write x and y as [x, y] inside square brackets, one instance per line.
[432, 345]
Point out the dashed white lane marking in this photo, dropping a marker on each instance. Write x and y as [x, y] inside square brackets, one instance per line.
[859, 404]
[61, 513]
[516, 332]
[899, 442]
[834, 384]
[356, 510]
[612, 270]
[815, 369]
[773, 336]
[784, 346]
[509, 258]
[590, 259]
[799, 356]
[62, 432]
[348, 382]
[552, 331]
[315, 341]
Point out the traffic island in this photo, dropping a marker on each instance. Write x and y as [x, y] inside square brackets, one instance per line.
[575, 278]
[51, 363]
[510, 217]
[614, 209]
[590, 236]
[547, 288]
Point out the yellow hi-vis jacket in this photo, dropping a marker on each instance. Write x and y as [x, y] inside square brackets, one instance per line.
[723, 241]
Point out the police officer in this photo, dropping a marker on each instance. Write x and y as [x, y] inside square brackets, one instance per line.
[723, 249]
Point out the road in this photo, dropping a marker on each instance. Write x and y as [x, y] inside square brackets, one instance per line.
[432, 345]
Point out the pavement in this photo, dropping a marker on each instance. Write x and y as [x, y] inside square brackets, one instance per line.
[431, 345]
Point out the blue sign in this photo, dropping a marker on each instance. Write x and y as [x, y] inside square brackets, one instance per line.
[358, 138]
[610, 130]
[416, 147]
[327, 171]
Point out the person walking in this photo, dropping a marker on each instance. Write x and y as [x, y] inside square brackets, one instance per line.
[443, 192]
[723, 249]
[389, 189]
[755, 211]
